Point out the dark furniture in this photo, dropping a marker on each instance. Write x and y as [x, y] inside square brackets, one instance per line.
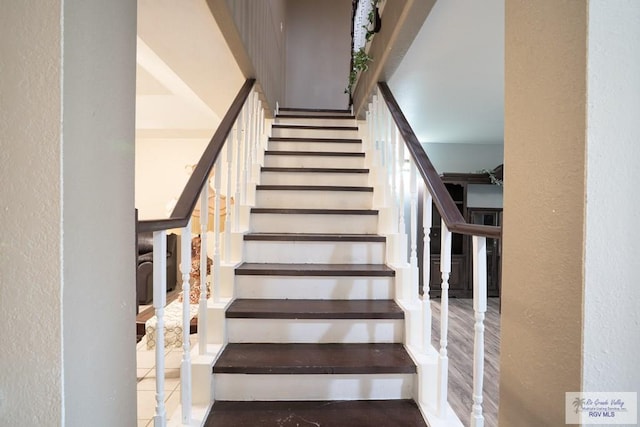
[460, 280]
[144, 272]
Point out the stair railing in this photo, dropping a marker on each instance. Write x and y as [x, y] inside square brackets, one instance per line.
[396, 150]
[229, 156]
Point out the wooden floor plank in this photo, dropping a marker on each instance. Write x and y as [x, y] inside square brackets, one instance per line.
[460, 352]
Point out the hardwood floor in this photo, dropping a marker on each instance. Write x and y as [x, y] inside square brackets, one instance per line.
[460, 352]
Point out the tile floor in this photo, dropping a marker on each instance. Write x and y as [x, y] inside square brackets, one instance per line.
[147, 381]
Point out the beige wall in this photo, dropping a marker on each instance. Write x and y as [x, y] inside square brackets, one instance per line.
[318, 42]
[544, 195]
[67, 301]
[30, 214]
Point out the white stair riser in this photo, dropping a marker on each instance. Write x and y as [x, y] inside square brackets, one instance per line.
[313, 133]
[315, 330]
[314, 223]
[314, 199]
[314, 287]
[313, 387]
[306, 121]
[314, 178]
[335, 147]
[293, 161]
[307, 252]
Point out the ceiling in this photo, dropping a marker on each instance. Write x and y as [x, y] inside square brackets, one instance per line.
[186, 75]
[450, 84]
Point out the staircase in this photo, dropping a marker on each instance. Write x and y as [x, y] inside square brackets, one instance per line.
[314, 334]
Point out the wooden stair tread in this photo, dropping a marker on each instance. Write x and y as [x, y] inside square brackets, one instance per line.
[345, 413]
[275, 269]
[314, 309]
[302, 211]
[312, 116]
[314, 188]
[314, 127]
[314, 359]
[316, 110]
[314, 237]
[314, 153]
[312, 170]
[310, 139]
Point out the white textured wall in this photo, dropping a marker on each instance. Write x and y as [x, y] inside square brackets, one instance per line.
[464, 158]
[161, 172]
[450, 83]
[612, 295]
[66, 225]
[484, 196]
[98, 133]
[30, 214]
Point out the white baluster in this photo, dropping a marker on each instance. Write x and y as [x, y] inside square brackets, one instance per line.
[374, 132]
[369, 121]
[215, 286]
[389, 154]
[256, 138]
[202, 302]
[246, 152]
[185, 366]
[402, 227]
[480, 308]
[413, 238]
[393, 166]
[238, 168]
[227, 219]
[159, 302]
[443, 359]
[427, 211]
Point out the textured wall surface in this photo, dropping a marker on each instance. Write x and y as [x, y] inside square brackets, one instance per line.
[542, 284]
[612, 294]
[98, 131]
[67, 276]
[318, 42]
[30, 214]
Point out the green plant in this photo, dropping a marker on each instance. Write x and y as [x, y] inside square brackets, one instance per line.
[360, 61]
[494, 180]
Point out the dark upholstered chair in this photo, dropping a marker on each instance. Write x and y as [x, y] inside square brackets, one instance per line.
[144, 274]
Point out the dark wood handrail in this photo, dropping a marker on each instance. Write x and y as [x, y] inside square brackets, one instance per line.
[441, 197]
[198, 179]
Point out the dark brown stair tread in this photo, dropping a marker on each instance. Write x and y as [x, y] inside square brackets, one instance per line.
[314, 188]
[314, 309]
[314, 359]
[344, 413]
[314, 237]
[274, 269]
[312, 127]
[313, 153]
[297, 211]
[312, 116]
[308, 139]
[313, 170]
[315, 110]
